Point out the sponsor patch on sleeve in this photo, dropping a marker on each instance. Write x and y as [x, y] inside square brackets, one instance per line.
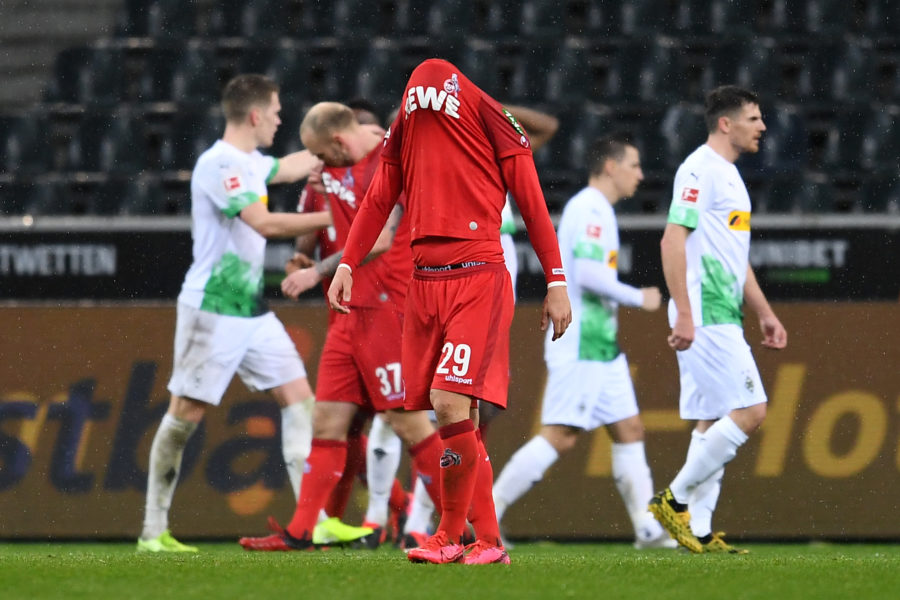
[739, 220]
[233, 183]
[690, 194]
[613, 259]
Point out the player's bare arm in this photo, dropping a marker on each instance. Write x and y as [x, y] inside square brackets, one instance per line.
[674, 261]
[283, 225]
[301, 280]
[295, 166]
[651, 298]
[774, 333]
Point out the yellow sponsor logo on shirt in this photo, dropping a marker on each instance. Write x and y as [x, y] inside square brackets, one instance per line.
[613, 260]
[264, 200]
[739, 220]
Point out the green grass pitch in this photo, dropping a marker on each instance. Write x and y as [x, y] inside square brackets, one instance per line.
[543, 570]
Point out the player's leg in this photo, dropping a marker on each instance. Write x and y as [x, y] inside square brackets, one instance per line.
[207, 351]
[565, 411]
[634, 482]
[382, 461]
[176, 428]
[354, 469]
[735, 390]
[419, 520]
[296, 400]
[527, 466]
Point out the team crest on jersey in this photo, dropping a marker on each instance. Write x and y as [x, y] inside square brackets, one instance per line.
[348, 181]
[690, 195]
[451, 86]
[450, 458]
[739, 220]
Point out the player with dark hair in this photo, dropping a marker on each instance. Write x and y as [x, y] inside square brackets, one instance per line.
[454, 152]
[705, 257]
[223, 326]
[589, 384]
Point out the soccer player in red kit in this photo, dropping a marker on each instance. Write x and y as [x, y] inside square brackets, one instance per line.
[360, 364]
[454, 151]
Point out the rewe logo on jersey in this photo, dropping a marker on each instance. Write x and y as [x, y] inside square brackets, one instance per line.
[429, 97]
[336, 188]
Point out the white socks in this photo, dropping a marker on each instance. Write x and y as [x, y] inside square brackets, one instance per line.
[705, 496]
[635, 484]
[710, 454]
[382, 461]
[525, 468]
[165, 465]
[296, 439]
[421, 510]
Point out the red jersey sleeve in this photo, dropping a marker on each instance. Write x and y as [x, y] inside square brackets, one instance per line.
[522, 180]
[507, 136]
[373, 213]
[392, 139]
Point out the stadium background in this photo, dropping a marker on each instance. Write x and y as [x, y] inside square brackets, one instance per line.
[106, 104]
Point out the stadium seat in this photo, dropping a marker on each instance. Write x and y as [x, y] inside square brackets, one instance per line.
[22, 196]
[558, 19]
[683, 128]
[26, 145]
[880, 192]
[882, 16]
[385, 67]
[157, 19]
[505, 70]
[646, 16]
[193, 130]
[87, 75]
[881, 138]
[721, 17]
[195, 78]
[270, 19]
[839, 72]
[783, 145]
[107, 142]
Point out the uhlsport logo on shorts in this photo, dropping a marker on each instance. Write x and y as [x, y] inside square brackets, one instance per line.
[450, 458]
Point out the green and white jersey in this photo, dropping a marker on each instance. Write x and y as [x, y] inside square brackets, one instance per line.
[589, 244]
[226, 276]
[710, 198]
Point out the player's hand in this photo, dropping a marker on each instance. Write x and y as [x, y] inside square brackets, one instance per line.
[652, 298]
[774, 333]
[683, 333]
[557, 310]
[299, 281]
[339, 291]
[315, 178]
[297, 262]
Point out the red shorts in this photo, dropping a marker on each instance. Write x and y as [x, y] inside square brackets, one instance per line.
[360, 362]
[456, 334]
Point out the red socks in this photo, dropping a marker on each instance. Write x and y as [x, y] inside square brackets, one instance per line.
[356, 462]
[324, 469]
[459, 471]
[426, 456]
[482, 514]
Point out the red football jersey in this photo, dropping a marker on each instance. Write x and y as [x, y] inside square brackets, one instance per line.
[455, 151]
[385, 277]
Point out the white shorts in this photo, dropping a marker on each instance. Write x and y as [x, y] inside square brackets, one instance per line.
[510, 258]
[718, 374]
[587, 394]
[211, 348]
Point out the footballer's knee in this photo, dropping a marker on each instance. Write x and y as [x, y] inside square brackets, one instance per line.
[561, 437]
[750, 418]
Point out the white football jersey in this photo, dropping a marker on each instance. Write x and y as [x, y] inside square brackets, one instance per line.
[588, 231]
[226, 276]
[710, 198]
